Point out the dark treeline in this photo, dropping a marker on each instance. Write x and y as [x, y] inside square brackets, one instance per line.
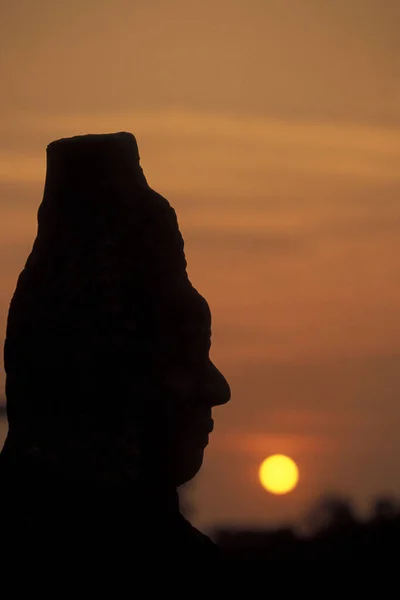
[334, 532]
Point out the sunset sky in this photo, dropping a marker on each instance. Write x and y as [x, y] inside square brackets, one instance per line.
[273, 128]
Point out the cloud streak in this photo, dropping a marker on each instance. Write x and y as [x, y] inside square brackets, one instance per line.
[232, 151]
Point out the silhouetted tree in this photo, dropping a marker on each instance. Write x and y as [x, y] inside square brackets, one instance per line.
[331, 512]
[385, 508]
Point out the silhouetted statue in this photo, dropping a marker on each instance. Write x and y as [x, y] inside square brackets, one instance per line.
[109, 384]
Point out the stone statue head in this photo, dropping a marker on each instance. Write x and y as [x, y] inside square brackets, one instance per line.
[108, 374]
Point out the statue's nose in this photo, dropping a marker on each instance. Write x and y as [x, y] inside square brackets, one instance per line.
[217, 390]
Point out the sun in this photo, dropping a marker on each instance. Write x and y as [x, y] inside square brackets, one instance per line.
[278, 474]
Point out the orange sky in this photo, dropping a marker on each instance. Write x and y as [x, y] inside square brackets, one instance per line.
[272, 126]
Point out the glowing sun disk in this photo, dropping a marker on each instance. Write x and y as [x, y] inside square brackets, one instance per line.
[278, 474]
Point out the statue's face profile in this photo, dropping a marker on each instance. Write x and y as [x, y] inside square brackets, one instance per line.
[194, 386]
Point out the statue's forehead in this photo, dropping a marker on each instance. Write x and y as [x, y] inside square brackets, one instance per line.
[199, 310]
[203, 305]
[189, 314]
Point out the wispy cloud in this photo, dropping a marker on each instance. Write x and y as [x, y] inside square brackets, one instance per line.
[204, 151]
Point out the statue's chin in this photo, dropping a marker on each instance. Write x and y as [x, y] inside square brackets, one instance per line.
[188, 468]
